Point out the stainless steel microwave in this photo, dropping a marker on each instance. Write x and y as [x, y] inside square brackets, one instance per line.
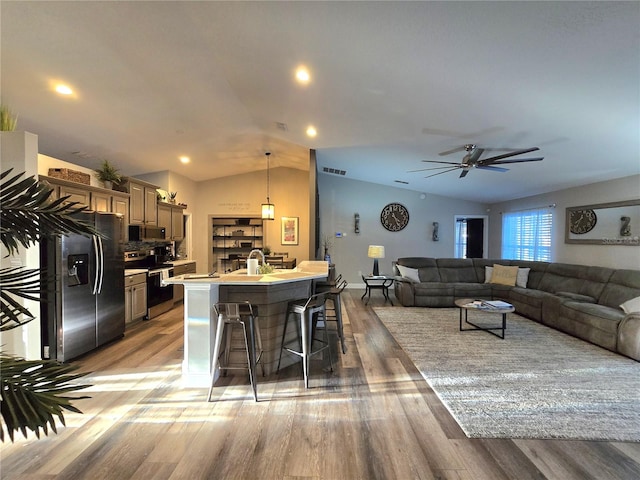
[138, 233]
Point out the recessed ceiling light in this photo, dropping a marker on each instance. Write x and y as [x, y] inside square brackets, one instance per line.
[64, 89]
[311, 131]
[185, 159]
[302, 75]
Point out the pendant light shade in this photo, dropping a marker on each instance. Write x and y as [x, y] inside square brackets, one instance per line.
[268, 209]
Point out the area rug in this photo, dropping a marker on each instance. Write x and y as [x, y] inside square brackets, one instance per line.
[536, 383]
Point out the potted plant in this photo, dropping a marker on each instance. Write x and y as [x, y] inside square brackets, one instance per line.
[108, 174]
[32, 392]
[8, 120]
[172, 197]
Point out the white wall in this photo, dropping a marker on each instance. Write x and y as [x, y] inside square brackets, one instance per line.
[612, 256]
[242, 195]
[19, 150]
[341, 198]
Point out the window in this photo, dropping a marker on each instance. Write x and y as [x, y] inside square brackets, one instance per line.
[461, 238]
[526, 235]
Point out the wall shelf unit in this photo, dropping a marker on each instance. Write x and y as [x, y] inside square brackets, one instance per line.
[233, 237]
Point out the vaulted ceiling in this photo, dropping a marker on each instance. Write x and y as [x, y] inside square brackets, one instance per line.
[392, 84]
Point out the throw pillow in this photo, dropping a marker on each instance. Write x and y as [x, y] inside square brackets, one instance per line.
[521, 279]
[631, 306]
[410, 273]
[503, 275]
[488, 271]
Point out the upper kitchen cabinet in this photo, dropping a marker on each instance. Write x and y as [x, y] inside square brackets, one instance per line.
[143, 202]
[171, 218]
[97, 199]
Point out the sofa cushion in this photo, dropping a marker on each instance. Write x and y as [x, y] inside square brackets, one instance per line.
[472, 290]
[456, 270]
[592, 322]
[622, 286]
[503, 275]
[595, 281]
[576, 297]
[563, 277]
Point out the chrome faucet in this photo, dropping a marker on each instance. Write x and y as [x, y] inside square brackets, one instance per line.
[257, 250]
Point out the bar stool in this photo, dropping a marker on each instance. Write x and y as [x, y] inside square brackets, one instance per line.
[306, 313]
[230, 315]
[333, 294]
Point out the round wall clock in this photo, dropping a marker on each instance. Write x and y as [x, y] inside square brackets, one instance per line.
[582, 221]
[394, 217]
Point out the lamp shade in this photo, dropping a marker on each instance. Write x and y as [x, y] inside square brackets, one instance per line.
[268, 211]
[376, 251]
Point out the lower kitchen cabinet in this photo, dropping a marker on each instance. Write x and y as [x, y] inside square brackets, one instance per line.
[135, 297]
[178, 290]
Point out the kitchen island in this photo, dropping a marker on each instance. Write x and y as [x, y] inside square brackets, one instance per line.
[270, 292]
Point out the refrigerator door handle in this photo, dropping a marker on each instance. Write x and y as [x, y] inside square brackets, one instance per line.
[101, 258]
[94, 290]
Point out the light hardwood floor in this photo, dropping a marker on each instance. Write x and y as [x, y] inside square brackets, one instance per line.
[373, 417]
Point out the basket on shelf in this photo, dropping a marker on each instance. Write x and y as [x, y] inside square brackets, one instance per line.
[70, 175]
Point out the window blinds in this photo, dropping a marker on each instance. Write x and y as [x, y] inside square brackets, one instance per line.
[526, 235]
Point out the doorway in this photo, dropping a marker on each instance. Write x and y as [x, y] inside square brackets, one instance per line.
[471, 236]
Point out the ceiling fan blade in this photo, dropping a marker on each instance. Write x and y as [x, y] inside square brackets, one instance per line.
[463, 173]
[453, 150]
[440, 173]
[489, 161]
[433, 168]
[518, 160]
[437, 161]
[495, 169]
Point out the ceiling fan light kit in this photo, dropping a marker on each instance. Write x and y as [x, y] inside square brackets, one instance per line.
[472, 160]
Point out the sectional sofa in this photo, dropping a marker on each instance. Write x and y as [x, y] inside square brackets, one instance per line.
[599, 305]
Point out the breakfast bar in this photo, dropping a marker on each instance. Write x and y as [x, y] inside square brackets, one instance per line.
[270, 292]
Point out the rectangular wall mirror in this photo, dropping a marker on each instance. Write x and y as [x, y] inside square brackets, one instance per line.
[615, 223]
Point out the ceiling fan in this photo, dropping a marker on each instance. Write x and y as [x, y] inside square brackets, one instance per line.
[472, 160]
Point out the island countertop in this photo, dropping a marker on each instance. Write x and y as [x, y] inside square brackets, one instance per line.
[306, 270]
[271, 293]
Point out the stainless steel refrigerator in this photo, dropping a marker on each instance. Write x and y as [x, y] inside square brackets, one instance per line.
[84, 280]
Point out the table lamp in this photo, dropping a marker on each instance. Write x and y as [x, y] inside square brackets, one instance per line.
[375, 252]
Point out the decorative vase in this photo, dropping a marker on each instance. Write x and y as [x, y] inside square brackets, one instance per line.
[108, 184]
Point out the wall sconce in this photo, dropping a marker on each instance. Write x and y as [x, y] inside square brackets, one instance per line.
[435, 232]
[375, 252]
[268, 209]
[356, 220]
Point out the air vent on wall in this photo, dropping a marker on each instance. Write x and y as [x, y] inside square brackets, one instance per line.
[335, 171]
[401, 181]
[282, 126]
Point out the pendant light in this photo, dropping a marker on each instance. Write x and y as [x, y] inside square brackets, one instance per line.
[268, 209]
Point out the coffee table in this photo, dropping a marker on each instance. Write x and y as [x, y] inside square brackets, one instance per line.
[485, 306]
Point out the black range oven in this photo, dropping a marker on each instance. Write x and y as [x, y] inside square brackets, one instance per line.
[159, 295]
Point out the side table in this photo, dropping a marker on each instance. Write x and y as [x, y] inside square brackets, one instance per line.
[377, 282]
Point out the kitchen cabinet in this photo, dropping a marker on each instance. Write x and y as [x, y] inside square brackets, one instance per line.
[76, 194]
[96, 198]
[182, 269]
[232, 238]
[170, 217]
[143, 202]
[135, 296]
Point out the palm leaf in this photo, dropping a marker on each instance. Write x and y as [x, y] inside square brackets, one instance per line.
[28, 213]
[33, 394]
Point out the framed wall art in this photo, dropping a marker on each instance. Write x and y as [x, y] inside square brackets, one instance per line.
[289, 233]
